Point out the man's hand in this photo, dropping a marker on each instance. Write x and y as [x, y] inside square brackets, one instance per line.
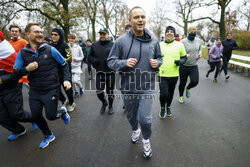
[131, 62]
[32, 66]
[1, 82]
[67, 85]
[199, 56]
[153, 63]
[73, 59]
[188, 55]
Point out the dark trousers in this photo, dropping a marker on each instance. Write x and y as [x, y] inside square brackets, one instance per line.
[89, 68]
[105, 79]
[225, 59]
[11, 111]
[212, 67]
[69, 94]
[48, 100]
[185, 72]
[167, 87]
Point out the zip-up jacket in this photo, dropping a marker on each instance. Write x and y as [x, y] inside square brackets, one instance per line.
[45, 77]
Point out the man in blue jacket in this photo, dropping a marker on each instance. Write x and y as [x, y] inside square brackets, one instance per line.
[40, 62]
[137, 56]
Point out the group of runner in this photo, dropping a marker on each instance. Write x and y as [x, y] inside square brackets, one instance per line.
[136, 53]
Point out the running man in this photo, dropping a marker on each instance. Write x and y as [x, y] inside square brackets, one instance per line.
[40, 61]
[137, 55]
[190, 68]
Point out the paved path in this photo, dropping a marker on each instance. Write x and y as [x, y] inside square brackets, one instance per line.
[211, 129]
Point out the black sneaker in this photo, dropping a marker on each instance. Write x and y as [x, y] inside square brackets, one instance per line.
[227, 76]
[207, 75]
[162, 114]
[111, 110]
[104, 105]
[169, 114]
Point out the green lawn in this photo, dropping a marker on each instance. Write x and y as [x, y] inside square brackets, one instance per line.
[238, 52]
[242, 52]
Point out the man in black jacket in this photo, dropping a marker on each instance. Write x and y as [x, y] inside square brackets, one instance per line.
[64, 49]
[40, 61]
[228, 45]
[98, 55]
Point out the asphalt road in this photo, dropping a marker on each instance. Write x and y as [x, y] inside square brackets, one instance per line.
[211, 129]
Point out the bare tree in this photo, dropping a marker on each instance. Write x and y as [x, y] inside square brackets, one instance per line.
[8, 12]
[60, 11]
[184, 10]
[91, 9]
[244, 10]
[158, 19]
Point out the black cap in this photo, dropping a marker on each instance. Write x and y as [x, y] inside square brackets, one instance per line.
[170, 28]
[88, 40]
[104, 30]
[127, 26]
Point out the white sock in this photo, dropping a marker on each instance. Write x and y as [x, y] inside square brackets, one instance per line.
[145, 141]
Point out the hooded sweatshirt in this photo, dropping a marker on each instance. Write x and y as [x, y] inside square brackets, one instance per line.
[64, 49]
[141, 78]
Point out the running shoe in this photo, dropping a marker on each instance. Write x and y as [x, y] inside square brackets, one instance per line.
[71, 107]
[111, 110]
[227, 76]
[147, 151]
[162, 114]
[135, 136]
[169, 114]
[47, 140]
[15, 136]
[181, 100]
[35, 127]
[65, 116]
[207, 75]
[81, 91]
[103, 108]
[76, 94]
[215, 81]
[187, 93]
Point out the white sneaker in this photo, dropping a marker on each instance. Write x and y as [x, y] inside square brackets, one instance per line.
[147, 151]
[71, 107]
[135, 136]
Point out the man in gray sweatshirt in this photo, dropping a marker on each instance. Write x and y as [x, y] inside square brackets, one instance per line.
[136, 55]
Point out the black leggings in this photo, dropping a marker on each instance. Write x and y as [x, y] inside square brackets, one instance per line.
[105, 79]
[212, 67]
[225, 59]
[193, 73]
[167, 87]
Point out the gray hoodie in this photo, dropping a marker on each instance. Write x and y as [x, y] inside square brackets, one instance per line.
[141, 78]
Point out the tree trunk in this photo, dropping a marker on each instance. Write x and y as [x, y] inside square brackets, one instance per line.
[185, 27]
[222, 22]
[93, 30]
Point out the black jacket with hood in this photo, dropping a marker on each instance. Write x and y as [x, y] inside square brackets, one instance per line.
[64, 49]
[99, 53]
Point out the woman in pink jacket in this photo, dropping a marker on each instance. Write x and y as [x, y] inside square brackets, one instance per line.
[215, 55]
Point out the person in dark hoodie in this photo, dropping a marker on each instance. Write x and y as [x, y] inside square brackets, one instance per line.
[64, 49]
[228, 45]
[105, 76]
[11, 99]
[40, 61]
[137, 56]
